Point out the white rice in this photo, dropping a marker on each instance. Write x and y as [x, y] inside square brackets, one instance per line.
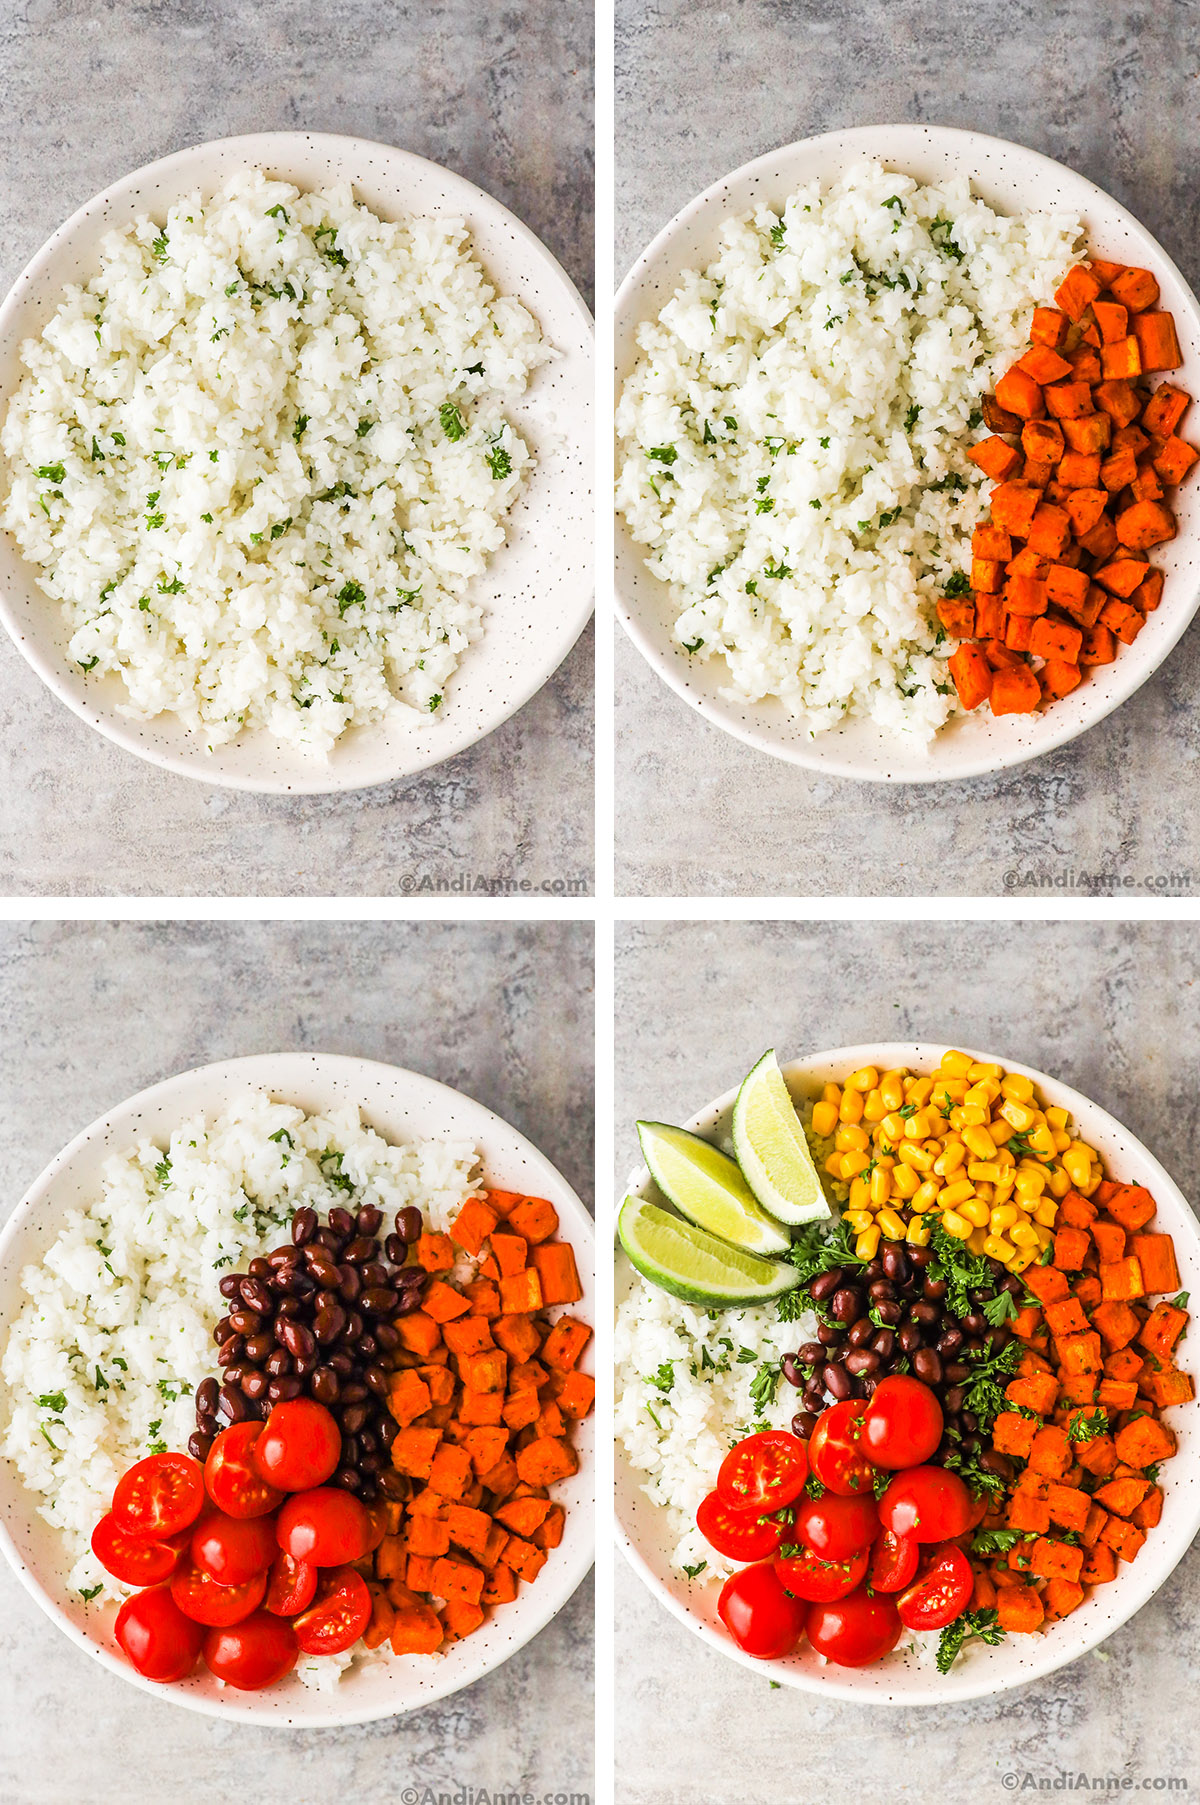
[261, 456]
[101, 1365]
[793, 437]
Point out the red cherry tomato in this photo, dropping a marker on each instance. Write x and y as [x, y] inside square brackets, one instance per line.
[300, 1446]
[338, 1615]
[942, 1592]
[232, 1550]
[806, 1575]
[134, 1560]
[159, 1496]
[158, 1640]
[737, 1534]
[204, 1601]
[834, 1452]
[903, 1423]
[854, 1631]
[234, 1483]
[291, 1586]
[927, 1503]
[764, 1472]
[893, 1561]
[324, 1527]
[761, 1617]
[835, 1528]
[251, 1654]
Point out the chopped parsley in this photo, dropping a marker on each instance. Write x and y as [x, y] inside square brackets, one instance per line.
[154, 1441]
[697, 1570]
[958, 584]
[911, 417]
[297, 430]
[763, 1387]
[972, 1626]
[663, 454]
[53, 1400]
[348, 595]
[435, 702]
[159, 247]
[162, 1173]
[664, 1378]
[1087, 1426]
[87, 1593]
[692, 645]
[453, 424]
[51, 473]
[499, 463]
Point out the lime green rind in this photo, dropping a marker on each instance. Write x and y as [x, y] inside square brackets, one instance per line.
[707, 1187]
[772, 1149]
[694, 1265]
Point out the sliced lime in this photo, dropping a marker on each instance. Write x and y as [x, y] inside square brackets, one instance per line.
[695, 1266]
[708, 1187]
[771, 1147]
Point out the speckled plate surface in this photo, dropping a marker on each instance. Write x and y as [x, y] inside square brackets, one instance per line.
[399, 1105]
[537, 591]
[903, 1679]
[1010, 179]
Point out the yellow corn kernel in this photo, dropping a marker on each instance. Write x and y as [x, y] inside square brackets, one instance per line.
[881, 1186]
[984, 1171]
[918, 1232]
[905, 1182]
[874, 1109]
[976, 1239]
[859, 1220]
[865, 1079]
[1060, 1137]
[868, 1241]
[1018, 1115]
[850, 1138]
[854, 1163]
[1057, 1182]
[1024, 1256]
[985, 1069]
[918, 1127]
[957, 1064]
[1003, 1187]
[948, 1090]
[860, 1195]
[920, 1157]
[824, 1118]
[1016, 1088]
[957, 1225]
[1045, 1213]
[976, 1211]
[950, 1158]
[957, 1193]
[891, 1089]
[891, 1224]
[979, 1142]
[1077, 1165]
[851, 1106]
[918, 1091]
[1045, 1236]
[832, 1093]
[893, 1127]
[1005, 1157]
[1041, 1140]
[968, 1115]
[1094, 1179]
[1005, 1215]
[1057, 1118]
[997, 1248]
[833, 1165]
[1031, 1181]
[1023, 1234]
[1001, 1131]
[927, 1196]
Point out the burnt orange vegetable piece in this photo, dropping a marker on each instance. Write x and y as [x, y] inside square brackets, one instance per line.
[1046, 1283]
[1055, 639]
[473, 1224]
[461, 1618]
[1116, 1323]
[1112, 319]
[1122, 1280]
[512, 1254]
[443, 1303]
[484, 1372]
[1089, 433]
[1118, 399]
[1156, 1257]
[1049, 1559]
[1130, 1205]
[521, 1293]
[1167, 1388]
[1175, 460]
[1135, 288]
[1018, 393]
[995, 458]
[408, 1397]
[1061, 1597]
[548, 1459]
[535, 1218]
[1123, 359]
[1144, 1442]
[556, 1269]
[416, 1630]
[1013, 507]
[1157, 343]
[435, 1252]
[1049, 326]
[1070, 1249]
[1020, 1610]
[1079, 288]
[1122, 1496]
[1144, 524]
[989, 541]
[469, 1335]
[1069, 399]
[517, 1336]
[1043, 364]
[413, 1451]
[1068, 1507]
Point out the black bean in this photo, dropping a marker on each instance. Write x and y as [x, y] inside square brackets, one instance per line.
[884, 1343]
[231, 1285]
[792, 1370]
[862, 1361]
[828, 1334]
[199, 1446]
[910, 1338]
[355, 1393]
[874, 1270]
[927, 1366]
[284, 1255]
[393, 1485]
[826, 1285]
[867, 1386]
[369, 1220]
[278, 1363]
[895, 1260]
[360, 1249]
[949, 1343]
[387, 1337]
[970, 1422]
[861, 1332]
[348, 1479]
[256, 1294]
[811, 1353]
[999, 1337]
[880, 1290]
[975, 1323]
[322, 1268]
[837, 1381]
[349, 1283]
[246, 1322]
[889, 1312]
[288, 1306]
[328, 1324]
[303, 1286]
[374, 1272]
[329, 1242]
[389, 1429]
[934, 1290]
[847, 1304]
[952, 1400]
[223, 1329]
[304, 1224]
[207, 1393]
[1012, 1284]
[396, 1249]
[957, 1373]
[258, 1268]
[260, 1348]
[296, 1339]
[325, 1385]
[351, 1417]
[281, 1391]
[409, 1224]
[992, 1462]
[255, 1385]
[803, 1424]
[925, 1314]
[341, 1221]
[341, 1363]
[232, 1405]
[919, 1257]
[354, 1326]
[230, 1350]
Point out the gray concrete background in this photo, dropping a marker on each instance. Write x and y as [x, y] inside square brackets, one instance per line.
[1113, 91]
[1113, 1010]
[94, 1011]
[91, 89]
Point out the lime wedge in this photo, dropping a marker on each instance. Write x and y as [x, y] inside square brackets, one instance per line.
[694, 1265]
[708, 1188]
[771, 1147]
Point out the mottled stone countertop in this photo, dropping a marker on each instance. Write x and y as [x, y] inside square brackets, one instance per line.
[1112, 1010]
[94, 1012]
[90, 90]
[703, 86]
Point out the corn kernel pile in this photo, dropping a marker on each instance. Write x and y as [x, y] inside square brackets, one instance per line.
[970, 1145]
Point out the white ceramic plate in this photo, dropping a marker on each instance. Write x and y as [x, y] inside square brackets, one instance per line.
[979, 1671]
[1010, 179]
[537, 590]
[399, 1105]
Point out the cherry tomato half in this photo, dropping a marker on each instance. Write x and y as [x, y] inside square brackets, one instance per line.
[234, 1483]
[854, 1631]
[927, 1503]
[158, 1640]
[834, 1452]
[941, 1593]
[291, 1586]
[806, 1575]
[763, 1619]
[204, 1601]
[337, 1616]
[324, 1527]
[835, 1528]
[159, 1496]
[300, 1446]
[252, 1654]
[903, 1423]
[763, 1472]
[737, 1534]
[134, 1560]
[893, 1561]
[232, 1550]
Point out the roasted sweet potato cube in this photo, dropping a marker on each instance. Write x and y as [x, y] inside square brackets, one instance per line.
[534, 1217]
[1078, 289]
[1157, 342]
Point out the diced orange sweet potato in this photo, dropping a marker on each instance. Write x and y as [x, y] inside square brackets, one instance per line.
[534, 1217]
[1049, 1559]
[1061, 1597]
[1170, 1387]
[450, 1470]
[1117, 1394]
[1098, 1455]
[468, 1335]
[1078, 289]
[1015, 691]
[413, 1451]
[416, 1630]
[1148, 1514]
[548, 1459]
[501, 1587]
[1130, 1205]
[443, 1303]
[1155, 1255]
[486, 1446]
[565, 1342]
[481, 1409]
[1145, 524]
[1018, 393]
[1020, 1610]
[1144, 1442]
[461, 1618]
[1050, 1453]
[1125, 1539]
[577, 1395]
[1035, 1393]
[1070, 1249]
[995, 458]
[1162, 1329]
[512, 1254]
[1122, 1496]
[1174, 461]
[473, 1224]
[1066, 1317]
[435, 1253]
[1121, 1281]
[418, 1333]
[517, 1336]
[484, 1372]
[408, 1396]
[457, 1579]
[1068, 1506]
[1100, 1565]
[522, 1293]
[1158, 344]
